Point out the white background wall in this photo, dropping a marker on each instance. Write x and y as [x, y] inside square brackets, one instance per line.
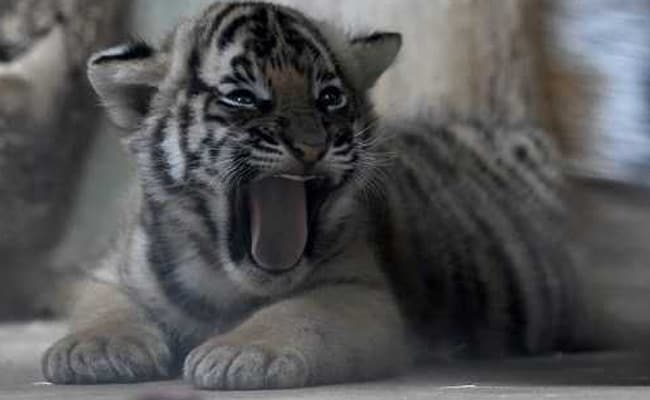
[451, 47]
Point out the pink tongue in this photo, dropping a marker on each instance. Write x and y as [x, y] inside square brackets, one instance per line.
[278, 223]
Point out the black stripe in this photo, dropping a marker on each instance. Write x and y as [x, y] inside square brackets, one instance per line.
[261, 21]
[183, 125]
[286, 20]
[215, 151]
[210, 117]
[203, 211]
[393, 240]
[241, 78]
[484, 179]
[232, 80]
[322, 245]
[194, 159]
[260, 159]
[416, 144]
[315, 31]
[348, 174]
[161, 167]
[324, 76]
[216, 119]
[343, 152]
[219, 18]
[275, 62]
[194, 63]
[470, 295]
[516, 292]
[196, 84]
[536, 262]
[299, 43]
[263, 134]
[473, 160]
[527, 163]
[229, 32]
[243, 65]
[567, 281]
[519, 220]
[264, 37]
[464, 294]
[516, 182]
[161, 260]
[266, 148]
[342, 140]
[472, 287]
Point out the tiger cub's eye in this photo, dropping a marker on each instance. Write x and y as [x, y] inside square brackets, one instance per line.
[240, 98]
[332, 98]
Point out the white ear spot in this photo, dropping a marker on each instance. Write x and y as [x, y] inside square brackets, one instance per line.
[126, 77]
[117, 51]
[126, 52]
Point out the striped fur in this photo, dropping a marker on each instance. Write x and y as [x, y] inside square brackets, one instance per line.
[448, 233]
[475, 214]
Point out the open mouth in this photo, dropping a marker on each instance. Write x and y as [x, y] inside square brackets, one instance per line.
[277, 218]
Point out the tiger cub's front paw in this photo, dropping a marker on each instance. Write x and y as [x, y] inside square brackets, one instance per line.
[220, 366]
[89, 358]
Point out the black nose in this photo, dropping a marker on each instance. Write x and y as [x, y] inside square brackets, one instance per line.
[306, 153]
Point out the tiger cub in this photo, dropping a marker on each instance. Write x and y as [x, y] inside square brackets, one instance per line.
[281, 237]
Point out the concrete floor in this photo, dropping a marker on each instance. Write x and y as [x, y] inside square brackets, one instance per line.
[593, 376]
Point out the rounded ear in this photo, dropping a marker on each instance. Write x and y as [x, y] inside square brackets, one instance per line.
[125, 78]
[374, 54]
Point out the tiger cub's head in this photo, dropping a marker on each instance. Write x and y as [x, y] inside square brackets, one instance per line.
[262, 110]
